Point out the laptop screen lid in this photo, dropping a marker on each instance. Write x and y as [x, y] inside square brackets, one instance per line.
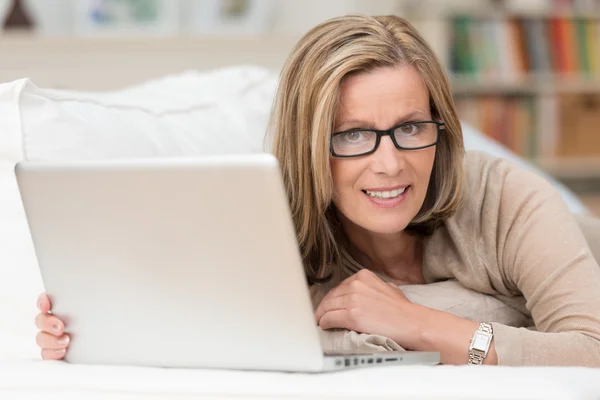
[172, 262]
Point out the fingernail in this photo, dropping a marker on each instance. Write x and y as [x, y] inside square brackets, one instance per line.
[56, 328]
[63, 340]
[39, 306]
[60, 351]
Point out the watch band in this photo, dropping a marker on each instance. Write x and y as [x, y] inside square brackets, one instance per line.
[476, 356]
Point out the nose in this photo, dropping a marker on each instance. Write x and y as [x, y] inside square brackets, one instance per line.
[387, 159]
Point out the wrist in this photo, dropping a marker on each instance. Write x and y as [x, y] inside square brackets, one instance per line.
[428, 328]
[480, 343]
[449, 335]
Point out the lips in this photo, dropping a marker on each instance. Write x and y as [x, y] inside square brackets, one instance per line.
[385, 188]
[387, 197]
[385, 194]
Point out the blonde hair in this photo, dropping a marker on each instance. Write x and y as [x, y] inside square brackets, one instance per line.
[303, 116]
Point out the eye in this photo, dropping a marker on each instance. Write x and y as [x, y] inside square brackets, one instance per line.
[409, 129]
[353, 137]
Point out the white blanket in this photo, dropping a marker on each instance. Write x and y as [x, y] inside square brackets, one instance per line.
[49, 380]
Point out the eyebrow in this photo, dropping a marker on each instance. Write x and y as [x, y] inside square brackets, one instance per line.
[360, 124]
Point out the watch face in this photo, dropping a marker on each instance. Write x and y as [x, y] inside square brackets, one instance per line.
[481, 342]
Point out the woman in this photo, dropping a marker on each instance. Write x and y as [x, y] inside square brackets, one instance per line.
[382, 195]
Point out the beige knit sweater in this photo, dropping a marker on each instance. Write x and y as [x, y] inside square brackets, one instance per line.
[516, 240]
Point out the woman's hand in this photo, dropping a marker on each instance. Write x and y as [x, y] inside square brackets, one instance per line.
[51, 338]
[365, 303]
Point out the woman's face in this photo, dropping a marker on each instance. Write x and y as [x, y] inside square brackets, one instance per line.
[382, 99]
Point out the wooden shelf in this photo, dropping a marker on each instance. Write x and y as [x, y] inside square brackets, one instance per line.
[522, 14]
[532, 85]
[510, 8]
[108, 63]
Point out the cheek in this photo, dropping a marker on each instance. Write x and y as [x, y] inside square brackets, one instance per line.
[421, 164]
[344, 174]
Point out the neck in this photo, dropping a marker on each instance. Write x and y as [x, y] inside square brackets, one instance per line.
[398, 256]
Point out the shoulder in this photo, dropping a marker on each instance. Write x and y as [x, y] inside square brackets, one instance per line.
[496, 170]
[503, 204]
[495, 184]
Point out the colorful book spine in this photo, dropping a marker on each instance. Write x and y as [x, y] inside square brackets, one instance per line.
[514, 48]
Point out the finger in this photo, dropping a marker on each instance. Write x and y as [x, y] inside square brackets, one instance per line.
[334, 303]
[52, 354]
[395, 292]
[51, 342]
[353, 287]
[50, 324]
[344, 319]
[367, 278]
[354, 280]
[352, 284]
[43, 303]
[372, 280]
[364, 275]
[358, 291]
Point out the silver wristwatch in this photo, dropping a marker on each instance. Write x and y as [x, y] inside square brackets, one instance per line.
[480, 343]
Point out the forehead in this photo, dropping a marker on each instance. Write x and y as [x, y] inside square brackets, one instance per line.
[382, 95]
[402, 78]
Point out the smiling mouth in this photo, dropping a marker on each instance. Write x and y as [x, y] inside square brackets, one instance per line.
[388, 194]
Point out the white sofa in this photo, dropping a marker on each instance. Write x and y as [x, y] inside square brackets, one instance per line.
[191, 114]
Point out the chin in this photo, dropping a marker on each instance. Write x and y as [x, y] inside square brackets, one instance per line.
[385, 226]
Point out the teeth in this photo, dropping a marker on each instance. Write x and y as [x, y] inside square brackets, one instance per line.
[386, 194]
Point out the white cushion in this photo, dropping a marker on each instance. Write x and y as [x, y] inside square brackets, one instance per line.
[185, 115]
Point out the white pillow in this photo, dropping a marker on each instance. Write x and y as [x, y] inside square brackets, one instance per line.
[191, 114]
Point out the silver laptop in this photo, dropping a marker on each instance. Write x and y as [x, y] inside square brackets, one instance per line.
[178, 262]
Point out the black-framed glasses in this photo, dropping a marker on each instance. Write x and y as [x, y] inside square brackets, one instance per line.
[407, 136]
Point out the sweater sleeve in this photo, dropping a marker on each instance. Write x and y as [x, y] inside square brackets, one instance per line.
[542, 253]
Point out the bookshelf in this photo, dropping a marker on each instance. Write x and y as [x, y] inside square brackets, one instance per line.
[527, 73]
